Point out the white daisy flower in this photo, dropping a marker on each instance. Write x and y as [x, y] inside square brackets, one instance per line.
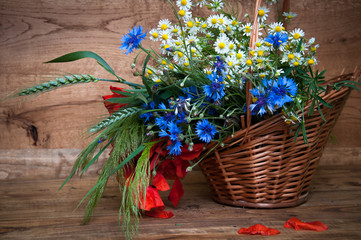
[247, 29]
[185, 5]
[232, 62]
[164, 25]
[212, 21]
[262, 14]
[185, 15]
[289, 15]
[221, 46]
[310, 61]
[297, 34]
[165, 35]
[276, 27]
[154, 35]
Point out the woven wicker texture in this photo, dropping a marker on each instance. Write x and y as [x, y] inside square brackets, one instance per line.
[263, 166]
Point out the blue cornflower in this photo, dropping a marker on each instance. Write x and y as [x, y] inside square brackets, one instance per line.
[277, 39]
[215, 89]
[173, 133]
[284, 89]
[205, 130]
[163, 121]
[219, 66]
[132, 40]
[263, 101]
[147, 115]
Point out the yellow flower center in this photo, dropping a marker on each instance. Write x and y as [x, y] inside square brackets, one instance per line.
[204, 25]
[182, 13]
[228, 28]
[221, 45]
[258, 44]
[165, 36]
[296, 64]
[313, 49]
[260, 53]
[239, 55]
[190, 24]
[180, 54]
[261, 13]
[175, 30]
[234, 22]
[177, 43]
[259, 60]
[248, 29]
[158, 80]
[214, 21]
[164, 62]
[208, 35]
[252, 52]
[171, 66]
[166, 46]
[150, 71]
[310, 62]
[186, 64]
[193, 50]
[231, 46]
[220, 21]
[291, 56]
[289, 16]
[296, 35]
[254, 99]
[184, 2]
[249, 62]
[164, 26]
[209, 72]
[230, 64]
[278, 29]
[262, 75]
[155, 35]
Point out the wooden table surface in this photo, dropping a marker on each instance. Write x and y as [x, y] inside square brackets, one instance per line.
[34, 209]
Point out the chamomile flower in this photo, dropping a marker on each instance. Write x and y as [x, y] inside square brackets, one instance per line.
[185, 15]
[289, 15]
[296, 34]
[185, 5]
[165, 35]
[262, 14]
[212, 21]
[221, 46]
[310, 61]
[164, 25]
[154, 35]
[247, 29]
[276, 27]
[232, 62]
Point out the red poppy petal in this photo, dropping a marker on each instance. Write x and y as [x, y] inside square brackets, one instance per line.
[297, 224]
[176, 193]
[258, 229]
[181, 167]
[159, 213]
[191, 155]
[152, 199]
[160, 182]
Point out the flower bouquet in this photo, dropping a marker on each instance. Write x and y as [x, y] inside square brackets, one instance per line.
[213, 94]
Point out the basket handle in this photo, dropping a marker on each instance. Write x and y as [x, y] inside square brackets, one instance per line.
[252, 43]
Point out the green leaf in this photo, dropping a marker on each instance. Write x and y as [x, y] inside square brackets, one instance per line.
[310, 111]
[121, 100]
[83, 54]
[299, 45]
[323, 102]
[320, 111]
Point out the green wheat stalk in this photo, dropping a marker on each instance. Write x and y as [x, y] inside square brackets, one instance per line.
[58, 82]
[115, 117]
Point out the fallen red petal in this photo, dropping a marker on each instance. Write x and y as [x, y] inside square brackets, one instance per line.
[297, 224]
[160, 182]
[159, 213]
[176, 193]
[259, 229]
[152, 199]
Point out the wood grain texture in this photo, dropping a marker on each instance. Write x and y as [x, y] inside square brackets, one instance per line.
[34, 209]
[35, 31]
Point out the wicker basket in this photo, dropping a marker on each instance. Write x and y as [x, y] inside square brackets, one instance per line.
[262, 166]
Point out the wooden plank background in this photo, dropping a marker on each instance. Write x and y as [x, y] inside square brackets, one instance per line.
[35, 31]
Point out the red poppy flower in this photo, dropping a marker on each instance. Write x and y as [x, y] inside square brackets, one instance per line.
[258, 229]
[176, 193]
[297, 224]
[159, 213]
[113, 107]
